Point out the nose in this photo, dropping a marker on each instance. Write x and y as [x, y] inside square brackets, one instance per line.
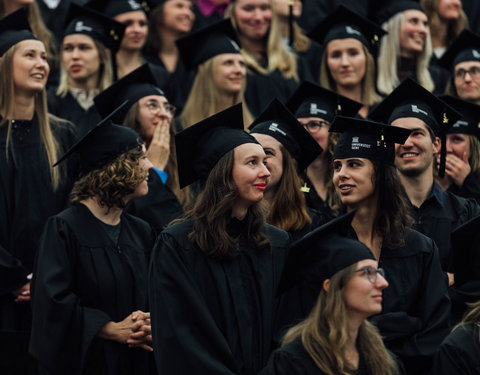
[257, 14]
[264, 172]
[467, 77]
[148, 164]
[381, 282]
[344, 60]
[75, 53]
[448, 146]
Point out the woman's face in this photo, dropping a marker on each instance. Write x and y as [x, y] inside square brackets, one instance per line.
[81, 59]
[363, 297]
[413, 33]
[282, 8]
[253, 18]
[153, 109]
[346, 61]
[354, 181]
[142, 188]
[449, 9]
[250, 174]
[318, 129]
[274, 161]
[458, 144]
[229, 73]
[30, 67]
[136, 30]
[177, 16]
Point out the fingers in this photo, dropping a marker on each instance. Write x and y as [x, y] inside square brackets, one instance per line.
[144, 346]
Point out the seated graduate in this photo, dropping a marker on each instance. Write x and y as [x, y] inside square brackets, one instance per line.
[336, 337]
[315, 107]
[89, 291]
[289, 149]
[150, 114]
[416, 308]
[213, 276]
[89, 40]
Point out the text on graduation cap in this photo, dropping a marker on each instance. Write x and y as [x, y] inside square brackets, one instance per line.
[356, 145]
[274, 128]
[79, 27]
[314, 110]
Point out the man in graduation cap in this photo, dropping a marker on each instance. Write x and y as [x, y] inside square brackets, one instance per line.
[435, 211]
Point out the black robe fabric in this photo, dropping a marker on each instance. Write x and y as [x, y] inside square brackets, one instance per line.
[312, 58]
[68, 108]
[159, 207]
[83, 280]
[315, 201]
[213, 316]
[460, 352]
[469, 189]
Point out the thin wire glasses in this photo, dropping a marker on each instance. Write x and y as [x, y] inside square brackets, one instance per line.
[474, 71]
[315, 125]
[155, 107]
[371, 273]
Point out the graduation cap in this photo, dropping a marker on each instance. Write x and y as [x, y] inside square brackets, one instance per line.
[410, 99]
[83, 20]
[13, 29]
[465, 241]
[200, 146]
[344, 23]
[311, 100]
[210, 41]
[385, 9]
[322, 253]
[470, 121]
[278, 122]
[366, 139]
[104, 143]
[465, 47]
[131, 88]
[112, 8]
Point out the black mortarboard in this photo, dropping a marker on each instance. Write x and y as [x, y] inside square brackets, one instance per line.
[322, 253]
[83, 20]
[384, 9]
[410, 99]
[466, 251]
[131, 88]
[466, 47]
[208, 42]
[13, 29]
[344, 23]
[103, 144]
[278, 122]
[112, 8]
[366, 139]
[200, 146]
[470, 121]
[311, 100]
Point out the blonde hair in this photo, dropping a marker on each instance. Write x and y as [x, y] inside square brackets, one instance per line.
[7, 103]
[105, 75]
[389, 57]
[474, 159]
[278, 56]
[204, 96]
[369, 95]
[324, 334]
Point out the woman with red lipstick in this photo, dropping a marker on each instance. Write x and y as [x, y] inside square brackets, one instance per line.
[214, 274]
[365, 179]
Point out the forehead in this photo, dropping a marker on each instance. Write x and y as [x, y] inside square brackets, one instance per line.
[266, 140]
[78, 38]
[467, 65]
[252, 2]
[229, 56]
[305, 120]
[343, 44]
[414, 13]
[135, 15]
[30, 44]
[157, 98]
[410, 123]
[247, 150]
[367, 262]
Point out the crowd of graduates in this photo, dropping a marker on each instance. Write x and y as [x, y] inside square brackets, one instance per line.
[239, 187]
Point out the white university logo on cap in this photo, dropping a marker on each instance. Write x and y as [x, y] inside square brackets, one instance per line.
[356, 144]
[415, 109]
[234, 44]
[79, 26]
[460, 123]
[274, 128]
[351, 30]
[314, 110]
[134, 5]
[476, 54]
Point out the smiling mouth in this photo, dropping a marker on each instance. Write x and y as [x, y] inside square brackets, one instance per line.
[408, 155]
[260, 186]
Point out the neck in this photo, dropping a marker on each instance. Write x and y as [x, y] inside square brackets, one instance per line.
[439, 39]
[417, 187]
[225, 101]
[169, 52]
[351, 92]
[24, 107]
[268, 195]
[10, 7]
[364, 225]
[444, 182]
[283, 26]
[316, 173]
[128, 61]
[239, 211]
[84, 84]
[110, 216]
[254, 46]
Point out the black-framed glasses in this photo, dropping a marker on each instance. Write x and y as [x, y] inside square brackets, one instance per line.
[473, 71]
[371, 273]
[315, 125]
[155, 107]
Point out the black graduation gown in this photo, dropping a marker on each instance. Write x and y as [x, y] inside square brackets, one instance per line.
[82, 280]
[315, 201]
[469, 189]
[459, 353]
[69, 109]
[312, 59]
[159, 207]
[213, 316]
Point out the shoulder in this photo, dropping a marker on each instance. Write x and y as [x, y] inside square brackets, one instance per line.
[177, 234]
[136, 223]
[415, 244]
[465, 335]
[276, 236]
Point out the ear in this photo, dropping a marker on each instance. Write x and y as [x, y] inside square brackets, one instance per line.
[437, 145]
[326, 285]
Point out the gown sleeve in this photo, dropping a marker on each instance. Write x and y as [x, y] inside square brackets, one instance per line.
[62, 328]
[470, 187]
[284, 363]
[13, 274]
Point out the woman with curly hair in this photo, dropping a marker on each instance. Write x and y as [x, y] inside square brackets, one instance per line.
[90, 277]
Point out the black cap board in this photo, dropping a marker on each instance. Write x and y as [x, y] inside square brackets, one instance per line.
[131, 88]
[344, 23]
[200, 146]
[208, 42]
[322, 253]
[470, 121]
[103, 144]
[311, 100]
[366, 139]
[112, 8]
[465, 47]
[83, 20]
[14, 28]
[385, 9]
[466, 251]
[278, 122]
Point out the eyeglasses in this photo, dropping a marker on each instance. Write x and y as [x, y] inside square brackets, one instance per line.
[372, 273]
[316, 125]
[155, 107]
[473, 71]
